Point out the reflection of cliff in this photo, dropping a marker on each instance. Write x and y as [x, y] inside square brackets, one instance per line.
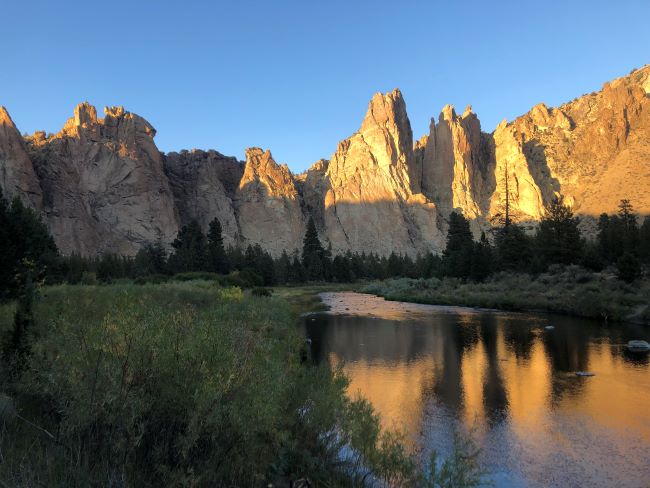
[494, 367]
[102, 185]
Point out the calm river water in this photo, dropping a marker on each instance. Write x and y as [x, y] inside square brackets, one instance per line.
[432, 370]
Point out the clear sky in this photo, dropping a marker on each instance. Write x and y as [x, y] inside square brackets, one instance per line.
[296, 77]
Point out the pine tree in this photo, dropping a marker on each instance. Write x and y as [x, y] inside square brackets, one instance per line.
[513, 248]
[629, 221]
[481, 259]
[283, 268]
[190, 249]
[150, 259]
[558, 237]
[217, 260]
[644, 240]
[23, 238]
[457, 256]
[395, 268]
[297, 271]
[313, 253]
[16, 345]
[341, 269]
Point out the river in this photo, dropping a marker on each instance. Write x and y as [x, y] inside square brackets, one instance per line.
[431, 371]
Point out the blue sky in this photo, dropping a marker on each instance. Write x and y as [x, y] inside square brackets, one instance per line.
[296, 77]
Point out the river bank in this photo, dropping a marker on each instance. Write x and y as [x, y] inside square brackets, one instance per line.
[570, 291]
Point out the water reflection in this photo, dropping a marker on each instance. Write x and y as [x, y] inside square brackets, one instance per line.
[426, 369]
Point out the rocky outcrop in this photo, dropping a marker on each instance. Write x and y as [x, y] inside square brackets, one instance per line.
[103, 186]
[452, 168]
[17, 176]
[268, 205]
[369, 203]
[204, 184]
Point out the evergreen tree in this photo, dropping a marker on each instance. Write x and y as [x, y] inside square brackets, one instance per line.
[16, 346]
[297, 271]
[609, 237]
[190, 249]
[266, 269]
[313, 253]
[629, 222]
[481, 259]
[394, 265]
[558, 237]
[457, 256]
[341, 269]
[513, 248]
[283, 268]
[628, 267]
[217, 260]
[24, 238]
[592, 258]
[644, 240]
[150, 259]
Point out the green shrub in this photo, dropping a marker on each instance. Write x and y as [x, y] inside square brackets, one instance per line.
[196, 275]
[152, 279]
[260, 291]
[88, 278]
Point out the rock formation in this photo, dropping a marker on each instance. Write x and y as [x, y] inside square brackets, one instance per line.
[17, 176]
[368, 203]
[103, 186]
[204, 184]
[268, 204]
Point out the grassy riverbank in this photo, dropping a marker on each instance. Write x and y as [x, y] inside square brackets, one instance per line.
[183, 384]
[305, 298]
[570, 290]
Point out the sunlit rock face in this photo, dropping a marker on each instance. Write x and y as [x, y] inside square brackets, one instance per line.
[369, 203]
[268, 206]
[17, 176]
[453, 166]
[104, 187]
[594, 150]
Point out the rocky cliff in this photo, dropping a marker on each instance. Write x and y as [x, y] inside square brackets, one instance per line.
[102, 185]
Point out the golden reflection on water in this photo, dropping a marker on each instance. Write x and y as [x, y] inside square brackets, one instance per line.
[502, 367]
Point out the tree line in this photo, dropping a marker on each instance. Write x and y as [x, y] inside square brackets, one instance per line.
[621, 241]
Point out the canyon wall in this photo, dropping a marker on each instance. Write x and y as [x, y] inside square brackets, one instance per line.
[102, 185]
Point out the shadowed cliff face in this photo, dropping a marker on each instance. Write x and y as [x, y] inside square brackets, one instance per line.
[102, 185]
[17, 176]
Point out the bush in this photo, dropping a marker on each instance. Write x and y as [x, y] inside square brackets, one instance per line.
[260, 291]
[250, 278]
[628, 268]
[196, 275]
[152, 278]
[88, 278]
